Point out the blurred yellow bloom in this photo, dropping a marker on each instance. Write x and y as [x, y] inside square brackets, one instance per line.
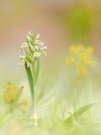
[84, 57]
[13, 91]
[92, 63]
[24, 111]
[81, 57]
[90, 49]
[11, 97]
[8, 85]
[25, 102]
[82, 73]
[79, 66]
[87, 58]
[73, 49]
[81, 47]
[5, 96]
[79, 74]
[69, 60]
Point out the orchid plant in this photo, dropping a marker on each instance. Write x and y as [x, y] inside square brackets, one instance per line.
[30, 53]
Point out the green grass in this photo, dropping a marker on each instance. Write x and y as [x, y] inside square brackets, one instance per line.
[60, 98]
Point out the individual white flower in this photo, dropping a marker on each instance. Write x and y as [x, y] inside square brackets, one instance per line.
[37, 54]
[24, 45]
[36, 48]
[36, 42]
[37, 36]
[28, 37]
[22, 59]
[42, 44]
[30, 33]
[45, 53]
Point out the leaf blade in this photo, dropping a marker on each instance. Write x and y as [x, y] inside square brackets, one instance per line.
[78, 113]
[30, 80]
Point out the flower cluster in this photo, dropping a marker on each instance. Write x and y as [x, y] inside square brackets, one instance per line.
[81, 56]
[11, 96]
[31, 49]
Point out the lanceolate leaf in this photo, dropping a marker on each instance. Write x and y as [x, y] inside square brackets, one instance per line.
[30, 79]
[76, 114]
[37, 70]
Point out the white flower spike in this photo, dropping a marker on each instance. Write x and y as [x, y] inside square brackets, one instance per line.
[31, 49]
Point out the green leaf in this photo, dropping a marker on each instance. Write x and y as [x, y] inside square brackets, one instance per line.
[37, 70]
[76, 114]
[28, 58]
[30, 80]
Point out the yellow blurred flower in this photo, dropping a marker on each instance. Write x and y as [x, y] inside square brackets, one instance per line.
[82, 73]
[92, 63]
[90, 49]
[81, 56]
[73, 49]
[84, 57]
[79, 74]
[25, 102]
[87, 58]
[24, 111]
[69, 60]
[79, 65]
[5, 96]
[13, 91]
[8, 85]
[11, 97]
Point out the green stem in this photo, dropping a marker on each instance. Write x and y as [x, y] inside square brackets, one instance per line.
[34, 102]
[32, 75]
[35, 70]
[30, 80]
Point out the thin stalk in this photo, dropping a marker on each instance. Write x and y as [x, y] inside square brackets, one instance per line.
[30, 80]
[35, 71]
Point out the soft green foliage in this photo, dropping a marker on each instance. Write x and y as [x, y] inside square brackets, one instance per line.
[30, 80]
[61, 104]
[77, 114]
[78, 22]
[54, 106]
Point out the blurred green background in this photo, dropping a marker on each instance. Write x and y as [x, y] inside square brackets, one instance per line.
[60, 23]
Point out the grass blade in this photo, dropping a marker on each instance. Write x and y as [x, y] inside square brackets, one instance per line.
[76, 114]
[30, 80]
[37, 70]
